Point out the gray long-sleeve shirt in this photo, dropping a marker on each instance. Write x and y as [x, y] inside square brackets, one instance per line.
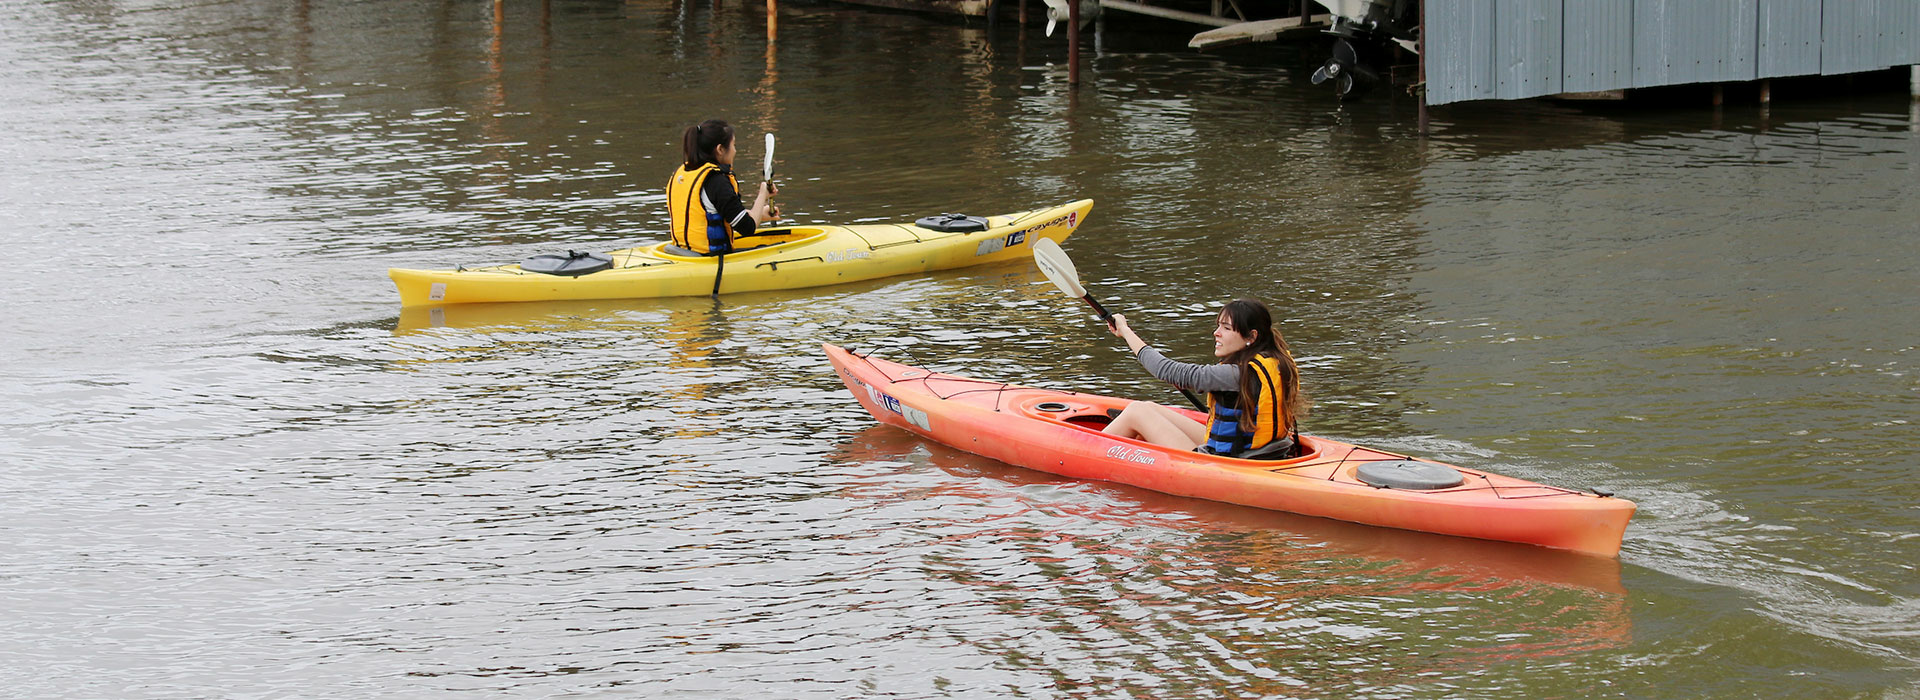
[1215, 377]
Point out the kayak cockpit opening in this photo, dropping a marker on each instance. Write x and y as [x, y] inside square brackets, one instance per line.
[1073, 411]
[1095, 413]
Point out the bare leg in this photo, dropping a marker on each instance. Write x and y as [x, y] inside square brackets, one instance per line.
[1159, 425]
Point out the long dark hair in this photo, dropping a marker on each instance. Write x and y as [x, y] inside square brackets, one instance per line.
[700, 140]
[1250, 317]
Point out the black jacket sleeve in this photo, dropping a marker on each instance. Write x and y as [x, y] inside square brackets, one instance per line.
[723, 200]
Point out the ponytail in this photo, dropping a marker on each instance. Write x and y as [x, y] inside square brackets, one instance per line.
[701, 139]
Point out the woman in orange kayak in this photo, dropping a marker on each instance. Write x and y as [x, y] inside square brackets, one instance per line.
[703, 198]
[1253, 394]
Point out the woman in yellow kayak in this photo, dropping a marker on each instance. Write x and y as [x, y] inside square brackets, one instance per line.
[703, 198]
[1253, 394]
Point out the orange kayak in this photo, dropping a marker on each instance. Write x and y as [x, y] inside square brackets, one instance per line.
[1059, 432]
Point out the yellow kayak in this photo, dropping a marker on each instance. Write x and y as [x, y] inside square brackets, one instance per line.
[782, 258]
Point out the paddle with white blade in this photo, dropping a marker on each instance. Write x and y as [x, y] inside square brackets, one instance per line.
[1059, 270]
[766, 172]
[767, 165]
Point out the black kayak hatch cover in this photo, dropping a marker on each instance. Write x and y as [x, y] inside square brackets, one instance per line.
[952, 222]
[1411, 475]
[573, 264]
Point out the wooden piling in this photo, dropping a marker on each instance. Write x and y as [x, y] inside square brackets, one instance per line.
[773, 20]
[1073, 42]
[1423, 66]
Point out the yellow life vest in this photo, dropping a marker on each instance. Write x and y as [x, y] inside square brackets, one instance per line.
[694, 226]
[1270, 419]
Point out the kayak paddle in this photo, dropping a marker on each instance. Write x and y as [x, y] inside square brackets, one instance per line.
[1059, 270]
[767, 165]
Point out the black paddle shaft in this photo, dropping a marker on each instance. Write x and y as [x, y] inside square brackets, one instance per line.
[1098, 309]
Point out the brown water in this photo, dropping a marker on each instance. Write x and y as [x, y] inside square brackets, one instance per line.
[235, 468]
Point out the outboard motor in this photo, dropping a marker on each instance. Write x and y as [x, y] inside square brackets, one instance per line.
[1364, 32]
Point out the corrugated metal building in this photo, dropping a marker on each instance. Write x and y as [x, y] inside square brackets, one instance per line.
[1511, 49]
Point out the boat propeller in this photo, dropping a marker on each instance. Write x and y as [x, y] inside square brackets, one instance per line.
[1346, 70]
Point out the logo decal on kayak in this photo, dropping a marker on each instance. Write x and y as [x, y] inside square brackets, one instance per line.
[1130, 454]
[848, 254]
[913, 415]
[995, 245]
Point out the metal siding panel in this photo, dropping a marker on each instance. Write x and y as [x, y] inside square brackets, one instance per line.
[1527, 55]
[1789, 38]
[1848, 35]
[1900, 31]
[1680, 41]
[1460, 51]
[1653, 41]
[1739, 23]
[1510, 49]
[1597, 45]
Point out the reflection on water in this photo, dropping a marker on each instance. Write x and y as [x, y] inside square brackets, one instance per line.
[1280, 595]
[234, 470]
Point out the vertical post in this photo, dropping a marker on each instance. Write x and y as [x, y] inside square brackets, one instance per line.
[1916, 82]
[546, 40]
[1099, 34]
[1719, 94]
[1073, 42]
[1766, 103]
[1023, 13]
[1423, 61]
[773, 20]
[494, 48]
